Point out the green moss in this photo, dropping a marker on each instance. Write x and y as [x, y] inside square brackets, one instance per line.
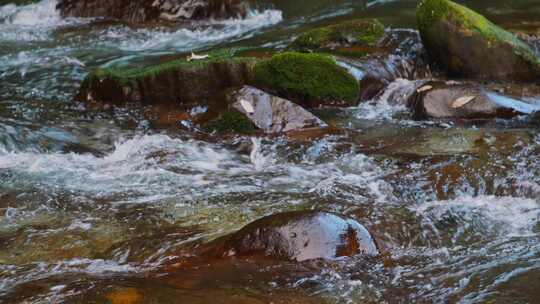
[357, 32]
[127, 77]
[310, 77]
[431, 11]
[18, 2]
[231, 122]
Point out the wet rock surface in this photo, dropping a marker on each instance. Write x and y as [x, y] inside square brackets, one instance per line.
[401, 56]
[298, 236]
[466, 44]
[352, 38]
[468, 101]
[272, 114]
[119, 203]
[139, 11]
[173, 82]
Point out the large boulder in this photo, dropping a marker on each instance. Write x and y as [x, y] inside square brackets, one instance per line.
[351, 38]
[467, 101]
[297, 236]
[466, 44]
[177, 82]
[272, 114]
[152, 10]
[310, 79]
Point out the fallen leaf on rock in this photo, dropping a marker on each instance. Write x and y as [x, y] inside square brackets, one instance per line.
[247, 106]
[193, 56]
[462, 101]
[424, 88]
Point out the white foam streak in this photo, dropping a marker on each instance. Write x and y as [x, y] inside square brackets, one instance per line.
[187, 39]
[33, 22]
[41, 13]
[507, 216]
[155, 167]
[391, 101]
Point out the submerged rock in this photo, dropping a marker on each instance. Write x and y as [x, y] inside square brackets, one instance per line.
[466, 44]
[175, 82]
[298, 236]
[448, 100]
[146, 10]
[272, 114]
[352, 38]
[312, 79]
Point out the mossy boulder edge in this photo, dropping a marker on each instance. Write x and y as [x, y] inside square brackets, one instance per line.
[466, 44]
[308, 79]
[342, 38]
[173, 82]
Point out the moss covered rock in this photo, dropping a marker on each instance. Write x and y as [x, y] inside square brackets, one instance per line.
[353, 38]
[173, 82]
[310, 79]
[231, 121]
[466, 44]
[18, 2]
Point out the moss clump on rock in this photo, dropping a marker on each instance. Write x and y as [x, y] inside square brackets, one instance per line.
[312, 79]
[231, 122]
[362, 32]
[176, 81]
[467, 44]
[18, 2]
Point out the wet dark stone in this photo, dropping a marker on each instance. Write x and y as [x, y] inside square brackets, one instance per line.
[441, 100]
[298, 236]
[466, 44]
[137, 11]
[402, 56]
[371, 86]
[272, 114]
[174, 82]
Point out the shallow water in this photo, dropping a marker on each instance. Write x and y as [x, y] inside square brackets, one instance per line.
[94, 203]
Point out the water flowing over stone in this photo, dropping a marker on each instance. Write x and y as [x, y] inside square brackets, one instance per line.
[453, 100]
[145, 11]
[116, 200]
[300, 236]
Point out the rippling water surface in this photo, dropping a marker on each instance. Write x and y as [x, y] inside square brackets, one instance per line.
[92, 204]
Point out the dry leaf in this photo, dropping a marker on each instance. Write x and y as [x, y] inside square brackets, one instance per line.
[462, 101]
[424, 88]
[247, 106]
[194, 56]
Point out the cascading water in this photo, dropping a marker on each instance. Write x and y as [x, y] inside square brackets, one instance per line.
[95, 205]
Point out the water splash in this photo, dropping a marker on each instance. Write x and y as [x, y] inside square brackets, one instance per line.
[155, 166]
[391, 101]
[204, 34]
[32, 22]
[482, 216]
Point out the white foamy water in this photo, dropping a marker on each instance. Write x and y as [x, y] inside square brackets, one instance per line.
[204, 34]
[36, 22]
[46, 270]
[33, 22]
[483, 215]
[157, 166]
[41, 13]
[388, 103]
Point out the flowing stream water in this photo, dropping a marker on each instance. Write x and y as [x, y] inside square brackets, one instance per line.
[93, 203]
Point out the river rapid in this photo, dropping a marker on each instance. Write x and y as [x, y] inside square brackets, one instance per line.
[94, 203]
